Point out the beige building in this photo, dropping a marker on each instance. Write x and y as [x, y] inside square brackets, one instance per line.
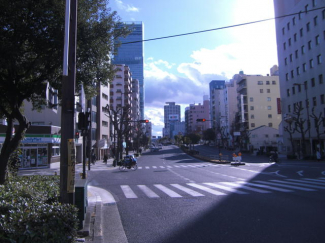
[258, 103]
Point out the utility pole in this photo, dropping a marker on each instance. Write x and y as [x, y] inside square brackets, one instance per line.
[67, 157]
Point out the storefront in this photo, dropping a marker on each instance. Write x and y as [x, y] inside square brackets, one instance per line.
[40, 147]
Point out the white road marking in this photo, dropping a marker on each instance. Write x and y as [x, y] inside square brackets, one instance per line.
[128, 192]
[287, 186]
[264, 186]
[246, 187]
[300, 184]
[166, 190]
[187, 190]
[203, 188]
[146, 190]
[225, 188]
[300, 172]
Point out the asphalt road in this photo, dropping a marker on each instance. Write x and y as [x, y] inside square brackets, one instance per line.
[173, 197]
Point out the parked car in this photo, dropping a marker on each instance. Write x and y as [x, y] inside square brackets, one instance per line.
[160, 146]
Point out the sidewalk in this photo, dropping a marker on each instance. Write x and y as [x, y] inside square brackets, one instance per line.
[96, 228]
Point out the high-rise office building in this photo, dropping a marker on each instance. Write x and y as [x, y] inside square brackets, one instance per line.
[216, 88]
[131, 54]
[172, 114]
[300, 42]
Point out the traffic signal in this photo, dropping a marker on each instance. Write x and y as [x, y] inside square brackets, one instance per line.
[201, 120]
[77, 135]
[143, 121]
[83, 121]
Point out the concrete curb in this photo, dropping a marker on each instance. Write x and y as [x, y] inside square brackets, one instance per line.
[104, 220]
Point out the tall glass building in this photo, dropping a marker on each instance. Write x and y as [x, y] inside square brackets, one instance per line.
[131, 54]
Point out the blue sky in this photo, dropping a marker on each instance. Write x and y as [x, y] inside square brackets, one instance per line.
[179, 69]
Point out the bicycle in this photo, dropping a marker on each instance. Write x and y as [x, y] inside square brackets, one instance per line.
[128, 165]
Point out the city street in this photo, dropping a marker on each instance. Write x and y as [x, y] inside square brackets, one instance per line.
[173, 197]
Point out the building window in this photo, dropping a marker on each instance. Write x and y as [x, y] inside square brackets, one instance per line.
[269, 115]
[311, 63]
[268, 99]
[286, 61]
[287, 76]
[105, 96]
[292, 74]
[270, 124]
[261, 90]
[293, 90]
[301, 32]
[315, 20]
[304, 67]
[289, 108]
[267, 82]
[306, 8]
[251, 108]
[319, 59]
[312, 82]
[309, 45]
[294, 21]
[290, 57]
[298, 70]
[251, 99]
[317, 40]
[268, 91]
[289, 41]
[283, 31]
[308, 26]
[303, 50]
[260, 82]
[322, 99]
[252, 124]
[288, 92]
[273, 82]
[314, 101]
[288, 25]
[323, 14]
[284, 46]
[296, 54]
[252, 116]
[320, 79]
[314, 3]
[269, 107]
[104, 123]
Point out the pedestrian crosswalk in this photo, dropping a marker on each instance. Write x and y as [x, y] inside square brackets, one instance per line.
[178, 166]
[222, 188]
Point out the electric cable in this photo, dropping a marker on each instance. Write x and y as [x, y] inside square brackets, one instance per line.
[221, 28]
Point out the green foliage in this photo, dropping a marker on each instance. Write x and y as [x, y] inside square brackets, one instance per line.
[30, 211]
[192, 138]
[209, 134]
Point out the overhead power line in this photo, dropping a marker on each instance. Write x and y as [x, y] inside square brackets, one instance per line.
[225, 27]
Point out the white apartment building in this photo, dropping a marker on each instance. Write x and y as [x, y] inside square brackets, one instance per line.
[258, 104]
[301, 52]
[198, 111]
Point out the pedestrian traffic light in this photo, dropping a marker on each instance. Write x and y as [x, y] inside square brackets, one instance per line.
[77, 135]
[201, 120]
[143, 121]
[81, 121]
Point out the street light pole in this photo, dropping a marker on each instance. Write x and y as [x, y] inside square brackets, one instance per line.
[308, 119]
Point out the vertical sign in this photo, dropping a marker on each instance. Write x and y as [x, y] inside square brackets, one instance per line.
[278, 103]
[71, 165]
[242, 108]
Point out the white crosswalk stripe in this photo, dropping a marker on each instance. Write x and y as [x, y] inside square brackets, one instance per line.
[300, 184]
[146, 190]
[128, 191]
[287, 186]
[223, 188]
[207, 189]
[187, 190]
[168, 191]
[246, 187]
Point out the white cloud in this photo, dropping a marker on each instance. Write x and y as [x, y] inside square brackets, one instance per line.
[126, 7]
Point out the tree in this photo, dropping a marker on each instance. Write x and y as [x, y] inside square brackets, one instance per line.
[299, 123]
[290, 130]
[31, 53]
[318, 121]
[209, 134]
